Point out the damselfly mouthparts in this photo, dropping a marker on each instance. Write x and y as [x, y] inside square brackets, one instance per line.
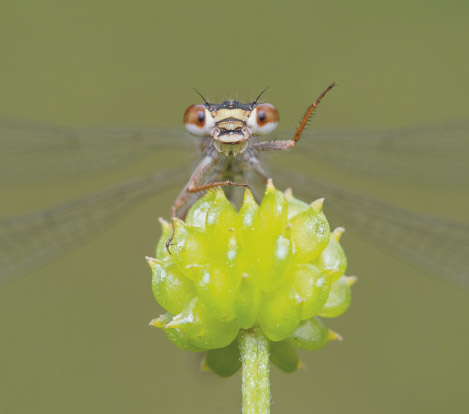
[436, 156]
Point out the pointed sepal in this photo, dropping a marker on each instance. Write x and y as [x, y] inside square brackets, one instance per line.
[224, 362]
[283, 355]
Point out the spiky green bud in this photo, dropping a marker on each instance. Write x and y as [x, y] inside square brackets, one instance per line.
[275, 264]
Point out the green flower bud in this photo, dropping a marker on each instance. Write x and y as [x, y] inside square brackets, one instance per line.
[248, 301]
[275, 265]
[280, 314]
[339, 297]
[310, 335]
[216, 287]
[190, 246]
[198, 326]
[333, 259]
[171, 290]
[174, 335]
[310, 232]
[312, 284]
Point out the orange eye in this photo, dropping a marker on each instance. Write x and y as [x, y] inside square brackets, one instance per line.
[263, 119]
[197, 120]
[195, 115]
[266, 113]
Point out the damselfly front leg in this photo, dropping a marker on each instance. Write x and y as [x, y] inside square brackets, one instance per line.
[288, 144]
[194, 186]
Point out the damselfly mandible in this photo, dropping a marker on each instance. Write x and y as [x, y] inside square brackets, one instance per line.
[230, 152]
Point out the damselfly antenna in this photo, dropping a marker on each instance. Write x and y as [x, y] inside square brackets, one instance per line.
[205, 101]
[258, 97]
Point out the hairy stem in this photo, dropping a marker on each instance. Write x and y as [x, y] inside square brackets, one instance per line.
[254, 349]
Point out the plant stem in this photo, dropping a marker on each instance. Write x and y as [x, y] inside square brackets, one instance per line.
[254, 350]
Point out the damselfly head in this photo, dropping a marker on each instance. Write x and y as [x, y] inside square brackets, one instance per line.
[231, 122]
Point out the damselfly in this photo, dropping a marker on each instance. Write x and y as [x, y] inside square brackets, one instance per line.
[436, 155]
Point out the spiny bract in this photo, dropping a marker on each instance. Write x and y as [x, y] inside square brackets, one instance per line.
[275, 264]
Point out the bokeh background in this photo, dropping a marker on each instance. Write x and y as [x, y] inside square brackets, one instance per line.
[74, 334]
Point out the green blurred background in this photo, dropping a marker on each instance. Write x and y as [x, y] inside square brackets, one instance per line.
[74, 335]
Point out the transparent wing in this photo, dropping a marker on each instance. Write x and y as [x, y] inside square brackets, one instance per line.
[31, 240]
[434, 245]
[39, 151]
[420, 154]
[435, 154]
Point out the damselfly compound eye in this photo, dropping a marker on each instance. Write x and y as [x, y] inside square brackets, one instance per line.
[264, 119]
[198, 120]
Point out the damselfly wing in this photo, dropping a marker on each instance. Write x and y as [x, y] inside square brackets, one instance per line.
[433, 156]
